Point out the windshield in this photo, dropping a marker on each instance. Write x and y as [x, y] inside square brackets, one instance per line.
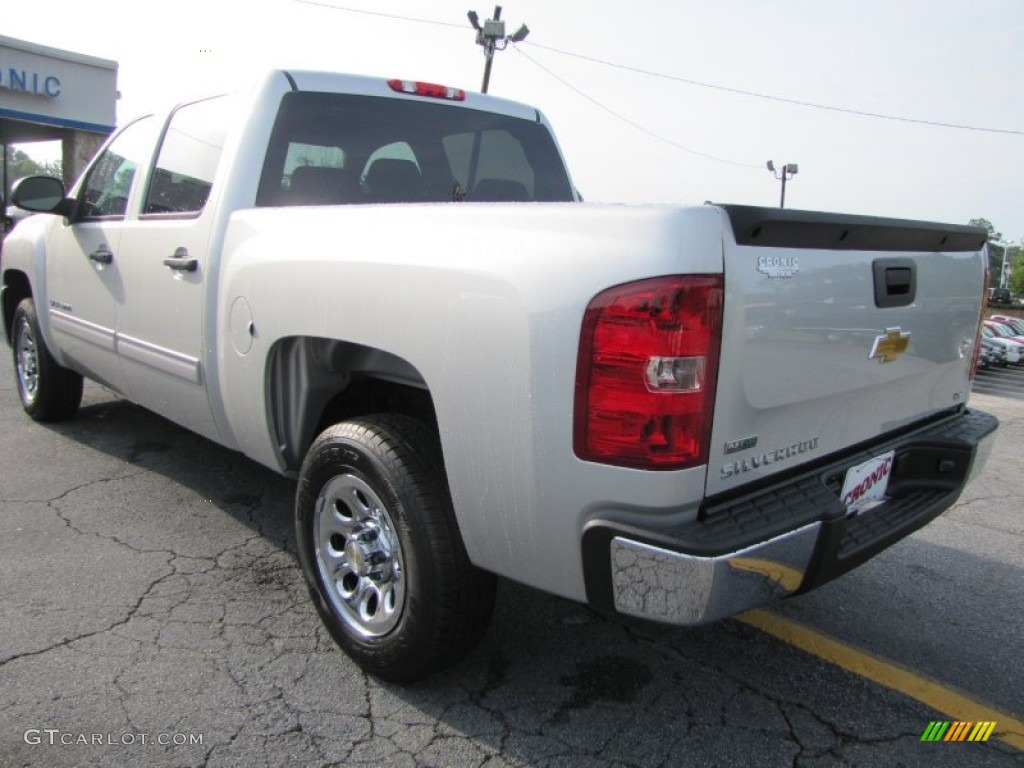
[329, 149]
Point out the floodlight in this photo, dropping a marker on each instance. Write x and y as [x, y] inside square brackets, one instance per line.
[520, 34]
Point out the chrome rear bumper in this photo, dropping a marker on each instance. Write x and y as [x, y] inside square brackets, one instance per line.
[678, 588]
[783, 538]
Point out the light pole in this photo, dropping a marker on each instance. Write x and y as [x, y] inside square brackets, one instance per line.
[788, 172]
[490, 35]
[1004, 277]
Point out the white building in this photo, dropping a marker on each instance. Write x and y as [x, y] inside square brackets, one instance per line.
[46, 94]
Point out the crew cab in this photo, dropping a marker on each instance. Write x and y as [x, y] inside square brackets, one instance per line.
[391, 291]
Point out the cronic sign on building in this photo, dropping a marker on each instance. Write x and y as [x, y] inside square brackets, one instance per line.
[43, 88]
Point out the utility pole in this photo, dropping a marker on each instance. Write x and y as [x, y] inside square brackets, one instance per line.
[1004, 273]
[788, 171]
[492, 37]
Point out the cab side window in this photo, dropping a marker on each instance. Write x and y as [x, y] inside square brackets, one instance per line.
[188, 157]
[105, 191]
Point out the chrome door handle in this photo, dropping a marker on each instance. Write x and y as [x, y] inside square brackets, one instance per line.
[102, 255]
[182, 265]
[181, 262]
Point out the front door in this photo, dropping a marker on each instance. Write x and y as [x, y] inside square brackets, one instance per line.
[84, 273]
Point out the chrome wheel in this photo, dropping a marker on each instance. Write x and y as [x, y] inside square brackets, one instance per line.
[48, 391]
[26, 361]
[381, 551]
[359, 556]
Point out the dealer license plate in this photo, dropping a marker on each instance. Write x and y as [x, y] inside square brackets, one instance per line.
[866, 484]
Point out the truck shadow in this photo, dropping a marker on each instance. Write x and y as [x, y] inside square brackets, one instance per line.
[252, 494]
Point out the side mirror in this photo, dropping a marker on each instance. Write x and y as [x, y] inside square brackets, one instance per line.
[40, 194]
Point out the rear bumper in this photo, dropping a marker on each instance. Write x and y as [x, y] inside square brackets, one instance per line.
[784, 538]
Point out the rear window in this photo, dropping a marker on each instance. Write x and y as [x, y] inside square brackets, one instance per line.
[331, 149]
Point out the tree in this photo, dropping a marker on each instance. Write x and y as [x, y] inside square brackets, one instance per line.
[1017, 276]
[987, 226]
[995, 251]
[19, 164]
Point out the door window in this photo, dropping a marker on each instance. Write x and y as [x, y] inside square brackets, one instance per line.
[188, 157]
[105, 192]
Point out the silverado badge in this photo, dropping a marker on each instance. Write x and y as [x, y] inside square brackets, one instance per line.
[778, 266]
[890, 345]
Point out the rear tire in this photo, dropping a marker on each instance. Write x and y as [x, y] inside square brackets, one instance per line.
[49, 392]
[381, 550]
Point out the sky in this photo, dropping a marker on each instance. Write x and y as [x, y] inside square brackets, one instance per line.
[672, 114]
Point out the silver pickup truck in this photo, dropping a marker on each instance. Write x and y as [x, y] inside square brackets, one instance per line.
[390, 290]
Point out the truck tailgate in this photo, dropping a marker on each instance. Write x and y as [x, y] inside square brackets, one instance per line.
[837, 329]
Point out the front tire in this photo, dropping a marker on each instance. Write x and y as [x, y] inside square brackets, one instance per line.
[381, 550]
[49, 392]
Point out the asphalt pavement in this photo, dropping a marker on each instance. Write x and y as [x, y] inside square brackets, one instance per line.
[152, 614]
[1006, 381]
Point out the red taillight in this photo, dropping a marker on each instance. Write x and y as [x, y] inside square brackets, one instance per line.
[431, 90]
[646, 373]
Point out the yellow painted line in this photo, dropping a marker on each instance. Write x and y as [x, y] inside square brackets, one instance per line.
[942, 698]
[788, 578]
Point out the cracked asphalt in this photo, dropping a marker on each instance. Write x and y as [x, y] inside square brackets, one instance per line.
[150, 592]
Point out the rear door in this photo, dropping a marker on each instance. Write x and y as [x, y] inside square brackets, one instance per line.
[165, 266]
[837, 329]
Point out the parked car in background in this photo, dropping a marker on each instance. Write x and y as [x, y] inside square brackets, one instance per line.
[1005, 331]
[991, 354]
[1012, 349]
[1016, 323]
[999, 296]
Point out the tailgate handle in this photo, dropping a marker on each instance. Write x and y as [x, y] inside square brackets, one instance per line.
[895, 282]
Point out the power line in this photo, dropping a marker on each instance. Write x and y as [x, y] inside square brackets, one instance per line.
[382, 15]
[781, 99]
[540, 66]
[685, 80]
[626, 120]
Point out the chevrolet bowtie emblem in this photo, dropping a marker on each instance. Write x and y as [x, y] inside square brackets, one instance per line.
[890, 345]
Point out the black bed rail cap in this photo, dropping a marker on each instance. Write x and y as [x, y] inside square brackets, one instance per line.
[788, 228]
